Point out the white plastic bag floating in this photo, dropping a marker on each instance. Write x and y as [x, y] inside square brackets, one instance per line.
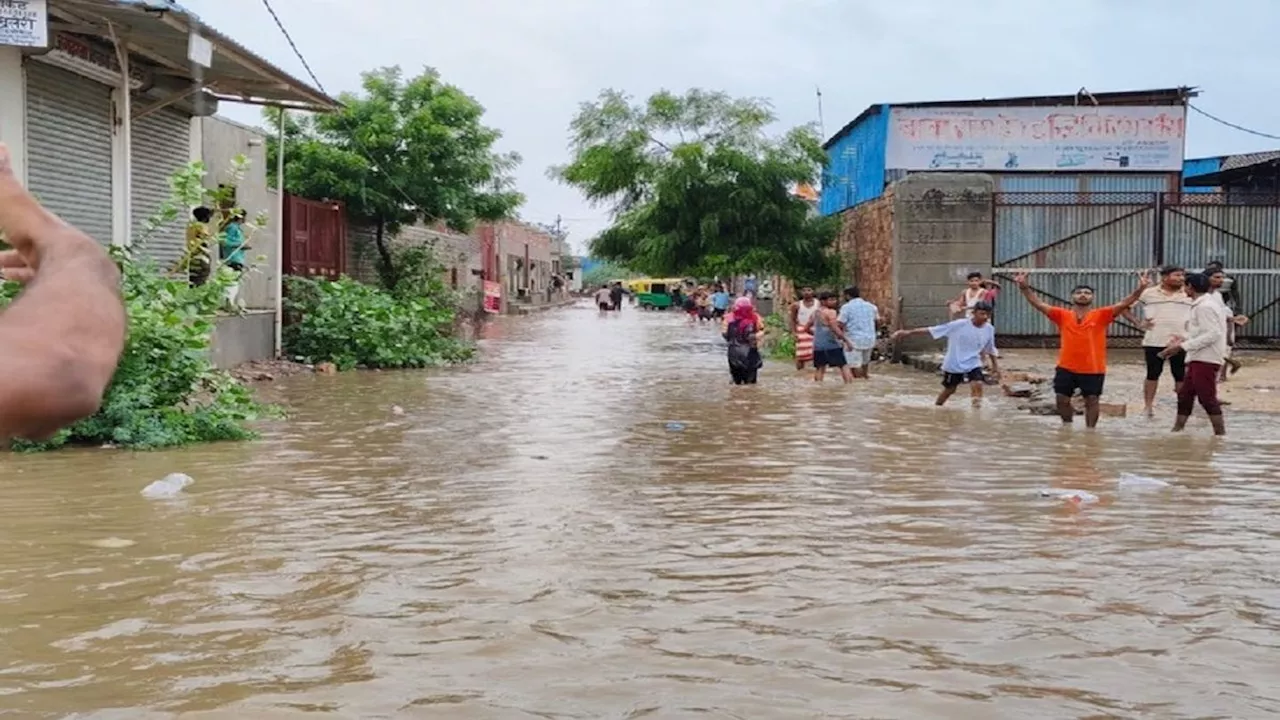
[1139, 483]
[169, 486]
[1078, 497]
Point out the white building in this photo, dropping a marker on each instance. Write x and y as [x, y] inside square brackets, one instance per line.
[101, 101]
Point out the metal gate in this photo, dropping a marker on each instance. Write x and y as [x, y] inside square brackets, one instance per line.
[1103, 239]
[1243, 232]
[69, 125]
[161, 146]
[315, 238]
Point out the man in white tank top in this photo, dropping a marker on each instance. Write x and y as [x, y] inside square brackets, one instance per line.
[802, 316]
[979, 289]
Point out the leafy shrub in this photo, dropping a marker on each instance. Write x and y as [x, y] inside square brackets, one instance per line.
[779, 343]
[166, 391]
[351, 324]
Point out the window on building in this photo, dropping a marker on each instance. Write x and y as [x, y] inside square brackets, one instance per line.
[453, 277]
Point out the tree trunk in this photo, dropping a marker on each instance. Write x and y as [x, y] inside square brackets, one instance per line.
[386, 265]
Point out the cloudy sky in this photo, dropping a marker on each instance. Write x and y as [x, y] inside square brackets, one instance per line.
[530, 62]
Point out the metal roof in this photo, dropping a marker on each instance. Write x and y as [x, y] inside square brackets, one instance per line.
[1166, 96]
[159, 31]
[1233, 168]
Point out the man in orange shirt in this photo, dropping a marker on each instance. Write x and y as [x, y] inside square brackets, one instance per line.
[1082, 359]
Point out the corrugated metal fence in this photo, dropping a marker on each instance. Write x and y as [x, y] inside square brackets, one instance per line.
[1103, 238]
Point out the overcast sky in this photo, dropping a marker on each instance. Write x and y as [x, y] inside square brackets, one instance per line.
[530, 62]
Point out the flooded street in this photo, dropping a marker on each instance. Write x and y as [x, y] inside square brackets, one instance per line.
[531, 538]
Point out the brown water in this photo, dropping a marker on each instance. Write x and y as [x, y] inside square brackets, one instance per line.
[530, 540]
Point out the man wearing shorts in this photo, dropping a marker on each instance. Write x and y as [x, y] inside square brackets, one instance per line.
[1082, 357]
[1166, 309]
[859, 318]
[969, 340]
[829, 340]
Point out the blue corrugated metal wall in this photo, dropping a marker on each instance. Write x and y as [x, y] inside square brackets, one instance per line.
[855, 167]
[1200, 166]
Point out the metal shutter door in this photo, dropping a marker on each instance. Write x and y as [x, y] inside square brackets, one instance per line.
[69, 147]
[161, 146]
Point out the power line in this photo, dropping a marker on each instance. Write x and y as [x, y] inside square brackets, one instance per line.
[289, 38]
[364, 151]
[1232, 125]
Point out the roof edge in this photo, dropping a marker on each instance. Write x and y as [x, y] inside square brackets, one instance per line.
[1161, 96]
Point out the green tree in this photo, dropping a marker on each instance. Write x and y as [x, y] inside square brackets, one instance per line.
[697, 186]
[403, 151]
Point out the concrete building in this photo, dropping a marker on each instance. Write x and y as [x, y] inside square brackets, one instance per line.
[518, 256]
[101, 101]
[1070, 188]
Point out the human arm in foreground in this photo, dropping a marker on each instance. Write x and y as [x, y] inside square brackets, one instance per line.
[61, 338]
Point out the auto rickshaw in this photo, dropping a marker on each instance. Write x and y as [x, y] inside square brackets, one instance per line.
[654, 293]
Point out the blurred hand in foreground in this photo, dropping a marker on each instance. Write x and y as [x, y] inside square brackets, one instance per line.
[61, 338]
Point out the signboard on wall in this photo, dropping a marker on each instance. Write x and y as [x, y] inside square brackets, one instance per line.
[492, 297]
[24, 23]
[1064, 138]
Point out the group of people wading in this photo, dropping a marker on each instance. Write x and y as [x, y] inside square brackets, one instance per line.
[1189, 321]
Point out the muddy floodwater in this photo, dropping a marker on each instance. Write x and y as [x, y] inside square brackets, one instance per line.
[592, 523]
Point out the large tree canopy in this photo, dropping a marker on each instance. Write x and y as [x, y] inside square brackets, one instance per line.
[401, 152]
[697, 186]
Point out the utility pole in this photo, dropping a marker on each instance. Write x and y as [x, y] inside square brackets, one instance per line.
[822, 128]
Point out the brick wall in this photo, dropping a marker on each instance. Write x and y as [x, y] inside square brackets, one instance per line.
[512, 237]
[459, 254]
[866, 246]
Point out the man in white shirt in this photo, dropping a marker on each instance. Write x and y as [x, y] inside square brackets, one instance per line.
[1166, 309]
[859, 319]
[1205, 344]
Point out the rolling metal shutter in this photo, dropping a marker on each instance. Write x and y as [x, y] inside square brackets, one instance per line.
[161, 146]
[69, 147]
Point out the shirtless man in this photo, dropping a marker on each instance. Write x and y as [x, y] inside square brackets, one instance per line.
[61, 339]
[1082, 359]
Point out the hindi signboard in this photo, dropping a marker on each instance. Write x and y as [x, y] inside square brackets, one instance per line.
[1064, 138]
[492, 297]
[24, 23]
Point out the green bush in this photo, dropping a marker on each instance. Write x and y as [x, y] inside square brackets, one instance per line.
[351, 324]
[166, 391]
[779, 343]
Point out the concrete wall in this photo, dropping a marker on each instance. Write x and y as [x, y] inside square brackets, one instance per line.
[943, 227]
[221, 140]
[238, 339]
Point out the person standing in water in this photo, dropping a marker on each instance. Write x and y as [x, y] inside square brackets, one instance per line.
[829, 340]
[859, 319]
[615, 296]
[802, 314]
[743, 330]
[719, 303]
[1166, 309]
[969, 342]
[1222, 288]
[1082, 357]
[1205, 343]
[604, 298]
